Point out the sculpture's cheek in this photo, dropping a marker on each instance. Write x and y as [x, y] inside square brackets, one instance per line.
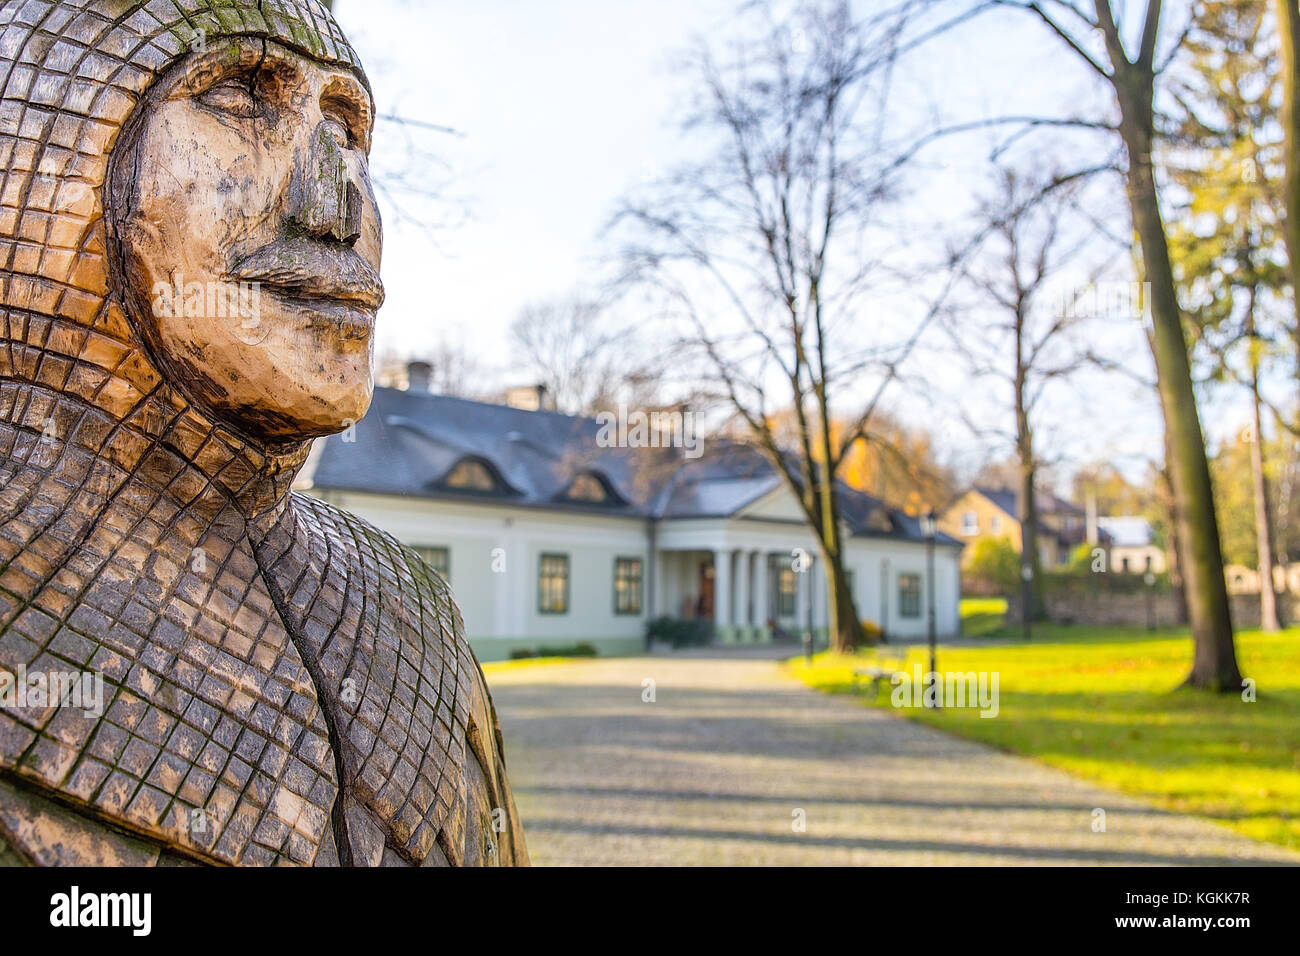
[213, 191]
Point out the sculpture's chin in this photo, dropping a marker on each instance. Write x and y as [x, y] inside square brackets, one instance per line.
[317, 408]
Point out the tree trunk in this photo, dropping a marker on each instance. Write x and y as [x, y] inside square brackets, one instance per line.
[1269, 619]
[843, 627]
[1174, 546]
[844, 636]
[1214, 664]
[1031, 578]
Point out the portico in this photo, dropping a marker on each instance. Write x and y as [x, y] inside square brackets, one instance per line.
[730, 586]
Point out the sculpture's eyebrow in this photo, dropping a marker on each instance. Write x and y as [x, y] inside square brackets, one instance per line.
[343, 96]
[346, 100]
[224, 58]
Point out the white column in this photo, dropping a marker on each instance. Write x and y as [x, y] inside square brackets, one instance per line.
[742, 596]
[663, 603]
[722, 595]
[762, 596]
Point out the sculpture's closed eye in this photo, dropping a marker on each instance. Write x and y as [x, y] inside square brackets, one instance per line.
[231, 96]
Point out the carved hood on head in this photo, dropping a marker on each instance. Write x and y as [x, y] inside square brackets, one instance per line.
[74, 73]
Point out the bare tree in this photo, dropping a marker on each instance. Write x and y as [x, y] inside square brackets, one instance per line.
[1023, 328]
[762, 248]
[585, 357]
[1097, 39]
[1228, 269]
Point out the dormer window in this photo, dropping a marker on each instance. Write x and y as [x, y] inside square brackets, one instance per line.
[587, 487]
[879, 520]
[590, 488]
[470, 475]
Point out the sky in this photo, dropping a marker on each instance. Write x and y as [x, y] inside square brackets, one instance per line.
[560, 108]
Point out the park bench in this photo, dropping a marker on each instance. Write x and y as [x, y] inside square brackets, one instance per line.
[889, 661]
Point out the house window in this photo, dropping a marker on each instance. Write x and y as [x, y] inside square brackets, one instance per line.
[470, 475]
[587, 487]
[970, 524]
[627, 586]
[437, 558]
[787, 584]
[909, 595]
[995, 524]
[1123, 565]
[553, 584]
[1148, 562]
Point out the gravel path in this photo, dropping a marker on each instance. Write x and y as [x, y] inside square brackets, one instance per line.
[718, 767]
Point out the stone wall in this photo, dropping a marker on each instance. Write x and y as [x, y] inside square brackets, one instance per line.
[1130, 609]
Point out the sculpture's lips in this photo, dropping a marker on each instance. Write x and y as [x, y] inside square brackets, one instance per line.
[307, 269]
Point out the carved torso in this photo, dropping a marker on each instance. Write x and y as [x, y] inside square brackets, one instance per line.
[249, 668]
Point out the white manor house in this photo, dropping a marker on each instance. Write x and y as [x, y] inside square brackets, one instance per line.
[550, 540]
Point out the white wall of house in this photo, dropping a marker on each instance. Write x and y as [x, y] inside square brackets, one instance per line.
[495, 551]
[880, 564]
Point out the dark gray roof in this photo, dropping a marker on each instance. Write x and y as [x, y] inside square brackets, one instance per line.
[1048, 504]
[1008, 501]
[409, 442]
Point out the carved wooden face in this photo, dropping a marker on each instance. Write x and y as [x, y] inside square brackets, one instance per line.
[250, 239]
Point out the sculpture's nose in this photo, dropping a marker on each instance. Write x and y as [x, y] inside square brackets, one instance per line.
[324, 201]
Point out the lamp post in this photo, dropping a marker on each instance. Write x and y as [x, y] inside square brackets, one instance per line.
[928, 530]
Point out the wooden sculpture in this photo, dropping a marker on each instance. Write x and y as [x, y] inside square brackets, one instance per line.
[190, 252]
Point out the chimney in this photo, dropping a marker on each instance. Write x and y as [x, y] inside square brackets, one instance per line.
[419, 376]
[530, 398]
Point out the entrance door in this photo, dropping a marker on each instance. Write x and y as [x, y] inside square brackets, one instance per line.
[705, 607]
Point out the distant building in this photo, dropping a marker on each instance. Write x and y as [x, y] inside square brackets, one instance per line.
[550, 539]
[982, 512]
[1132, 545]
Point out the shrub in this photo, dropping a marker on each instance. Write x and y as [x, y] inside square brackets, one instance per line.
[680, 632]
[995, 563]
[581, 649]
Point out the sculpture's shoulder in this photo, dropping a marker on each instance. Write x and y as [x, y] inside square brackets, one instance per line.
[421, 744]
[392, 576]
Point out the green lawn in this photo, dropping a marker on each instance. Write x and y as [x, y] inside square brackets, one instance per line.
[981, 617]
[1104, 705]
[497, 667]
